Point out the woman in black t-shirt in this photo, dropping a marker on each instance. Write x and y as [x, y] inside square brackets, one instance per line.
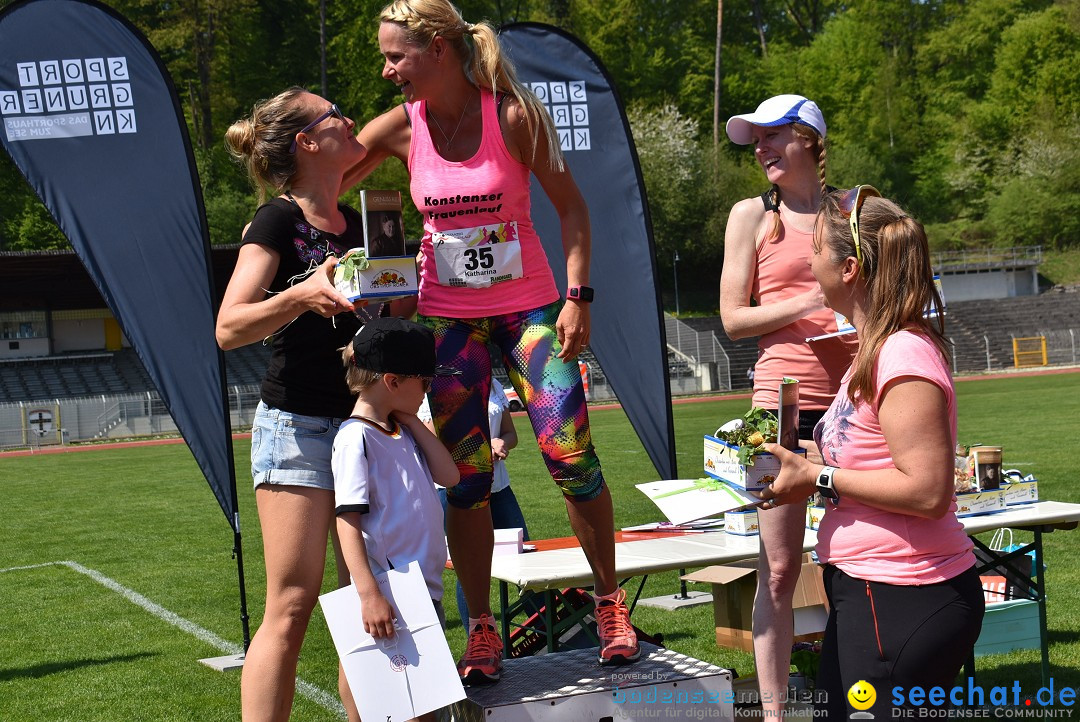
[298, 145]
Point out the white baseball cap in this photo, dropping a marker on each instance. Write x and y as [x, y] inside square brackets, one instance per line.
[778, 110]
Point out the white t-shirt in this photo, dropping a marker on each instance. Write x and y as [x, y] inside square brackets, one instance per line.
[498, 404]
[384, 476]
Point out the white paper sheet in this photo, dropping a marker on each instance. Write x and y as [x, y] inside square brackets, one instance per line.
[399, 678]
[683, 500]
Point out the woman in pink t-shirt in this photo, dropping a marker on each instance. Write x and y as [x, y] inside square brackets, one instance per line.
[906, 602]
[767, 290]
[471, 136]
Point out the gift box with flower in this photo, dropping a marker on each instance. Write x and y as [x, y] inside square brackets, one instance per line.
[735, 454]
[359, 277]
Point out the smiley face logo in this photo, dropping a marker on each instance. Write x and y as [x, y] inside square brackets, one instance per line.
[862, 695]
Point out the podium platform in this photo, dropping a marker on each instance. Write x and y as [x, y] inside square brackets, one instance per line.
[572, 686]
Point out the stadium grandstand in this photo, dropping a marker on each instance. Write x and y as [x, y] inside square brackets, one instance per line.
[67, 373]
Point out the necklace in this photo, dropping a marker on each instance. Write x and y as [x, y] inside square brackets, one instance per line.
[450, 140]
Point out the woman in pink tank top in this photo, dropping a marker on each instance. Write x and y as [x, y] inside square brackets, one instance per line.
[471, 135]
[767, 290]
[906, 603]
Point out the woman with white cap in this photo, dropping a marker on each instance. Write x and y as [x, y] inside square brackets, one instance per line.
[767, 290]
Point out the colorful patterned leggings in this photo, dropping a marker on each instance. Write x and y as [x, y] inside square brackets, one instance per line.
[550, 389]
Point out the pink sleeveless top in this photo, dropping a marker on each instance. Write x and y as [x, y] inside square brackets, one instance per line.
[470, 210]
[783, 272]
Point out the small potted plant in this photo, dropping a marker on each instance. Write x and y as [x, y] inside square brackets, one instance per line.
[806, 658]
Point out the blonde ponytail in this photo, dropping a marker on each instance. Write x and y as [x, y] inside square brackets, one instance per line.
[482, 60]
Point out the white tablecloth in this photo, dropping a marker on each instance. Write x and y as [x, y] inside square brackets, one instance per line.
[568, 567]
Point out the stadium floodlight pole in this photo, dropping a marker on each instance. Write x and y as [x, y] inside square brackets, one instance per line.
[678, 330]
[675, 265]
[322, 54]
[716, 75]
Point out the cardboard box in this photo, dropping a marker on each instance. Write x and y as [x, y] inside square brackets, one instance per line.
[508, 541]
[814, 515]
[1008, 626]
[980, 502]
[733, 587]
[1024, 491]
[383, 279]
[742, 523]
[722, 462]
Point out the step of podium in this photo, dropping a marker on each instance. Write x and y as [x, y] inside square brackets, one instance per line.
[572, 686]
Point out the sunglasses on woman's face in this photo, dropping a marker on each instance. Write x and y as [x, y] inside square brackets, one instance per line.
[425, 380]
[850, 203]
[333, 111]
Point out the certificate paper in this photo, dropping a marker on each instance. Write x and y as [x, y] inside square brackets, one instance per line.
[399, 678]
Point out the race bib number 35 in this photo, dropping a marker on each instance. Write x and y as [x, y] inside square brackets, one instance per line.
[477, 257]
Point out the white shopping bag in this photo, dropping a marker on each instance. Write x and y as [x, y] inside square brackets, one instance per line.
[406, 675]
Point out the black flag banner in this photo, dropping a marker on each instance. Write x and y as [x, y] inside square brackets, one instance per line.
[627, 319]
[91, 119]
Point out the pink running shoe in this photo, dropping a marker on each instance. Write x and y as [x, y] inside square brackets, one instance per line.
[482, 662]
[618, 640]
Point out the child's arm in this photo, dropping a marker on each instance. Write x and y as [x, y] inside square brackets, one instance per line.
[378, 615]
[444, 471]
[507, 438]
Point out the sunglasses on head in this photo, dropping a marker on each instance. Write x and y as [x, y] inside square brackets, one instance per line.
[333, 111]
[850, 203]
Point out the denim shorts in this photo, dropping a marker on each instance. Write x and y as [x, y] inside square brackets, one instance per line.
[292, 449]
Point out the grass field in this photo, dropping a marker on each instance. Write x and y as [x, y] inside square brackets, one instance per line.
[116, 572]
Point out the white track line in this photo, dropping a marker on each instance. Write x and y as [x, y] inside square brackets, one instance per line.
[317, 695]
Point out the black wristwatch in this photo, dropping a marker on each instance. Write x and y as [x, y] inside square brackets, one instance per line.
[580, 293]
[825, 484]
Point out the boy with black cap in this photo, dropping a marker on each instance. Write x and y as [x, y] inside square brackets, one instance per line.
[385, 462]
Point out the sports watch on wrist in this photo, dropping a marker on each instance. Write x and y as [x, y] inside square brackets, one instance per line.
[825, 484]
[580, 293]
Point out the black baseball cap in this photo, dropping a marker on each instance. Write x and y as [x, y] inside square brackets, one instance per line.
[397, 346]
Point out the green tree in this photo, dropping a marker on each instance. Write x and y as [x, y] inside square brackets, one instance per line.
[964, 111]
[963, 136]
[690, 188]
[1036, 200]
